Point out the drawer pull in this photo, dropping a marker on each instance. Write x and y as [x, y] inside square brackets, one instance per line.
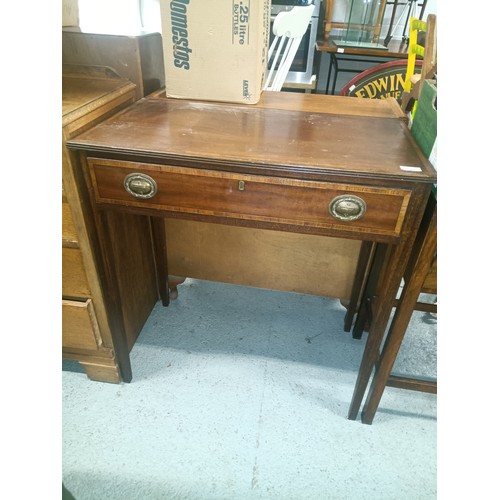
[140, 185]
[347, 207]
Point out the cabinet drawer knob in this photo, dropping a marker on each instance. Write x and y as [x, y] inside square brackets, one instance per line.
[347, 207]
[140, 185]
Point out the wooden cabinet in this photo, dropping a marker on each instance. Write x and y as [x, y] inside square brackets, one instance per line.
[94, 331]
[135, 57]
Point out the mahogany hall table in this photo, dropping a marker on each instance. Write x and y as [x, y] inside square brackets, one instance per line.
[301, 163]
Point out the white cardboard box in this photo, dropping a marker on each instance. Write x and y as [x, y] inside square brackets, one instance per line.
[215, 50]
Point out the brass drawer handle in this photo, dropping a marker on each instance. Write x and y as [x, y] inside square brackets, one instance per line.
[347, 207]
[140, 185]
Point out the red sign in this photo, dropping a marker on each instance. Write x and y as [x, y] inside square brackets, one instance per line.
[379, 82]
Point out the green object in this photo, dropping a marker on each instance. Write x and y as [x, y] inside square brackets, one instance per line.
[424, 127]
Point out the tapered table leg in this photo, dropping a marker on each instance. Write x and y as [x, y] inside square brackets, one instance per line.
[395, 262]
[357, 286]
[364, 315]
[402, 316]
[160, 252]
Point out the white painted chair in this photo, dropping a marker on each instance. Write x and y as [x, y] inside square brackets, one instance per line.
[288, 29]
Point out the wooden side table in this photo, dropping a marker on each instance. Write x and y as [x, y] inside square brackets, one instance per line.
[309, 166]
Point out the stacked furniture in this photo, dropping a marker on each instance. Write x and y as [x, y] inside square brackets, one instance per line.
[137, 57]
[94, 332]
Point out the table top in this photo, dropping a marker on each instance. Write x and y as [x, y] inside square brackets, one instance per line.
[309, 138]
[299, 101]
[395, 49]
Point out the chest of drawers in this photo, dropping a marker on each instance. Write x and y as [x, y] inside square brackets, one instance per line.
[90, 95]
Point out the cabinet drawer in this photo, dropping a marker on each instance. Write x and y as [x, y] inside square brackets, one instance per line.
[79, 325]
[278, 201]
[74, 278]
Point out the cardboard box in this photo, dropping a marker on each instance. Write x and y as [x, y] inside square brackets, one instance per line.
[70, 16]
[215, 50]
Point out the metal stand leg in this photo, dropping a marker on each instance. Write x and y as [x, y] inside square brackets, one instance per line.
[329, 75]
[333, 60]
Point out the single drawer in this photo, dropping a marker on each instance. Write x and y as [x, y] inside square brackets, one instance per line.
[274, 200]
[79, 325]
[74, 278]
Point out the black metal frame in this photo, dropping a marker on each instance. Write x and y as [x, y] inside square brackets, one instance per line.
[334, 65]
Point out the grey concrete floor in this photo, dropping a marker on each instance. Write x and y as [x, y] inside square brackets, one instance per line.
[242, 393]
